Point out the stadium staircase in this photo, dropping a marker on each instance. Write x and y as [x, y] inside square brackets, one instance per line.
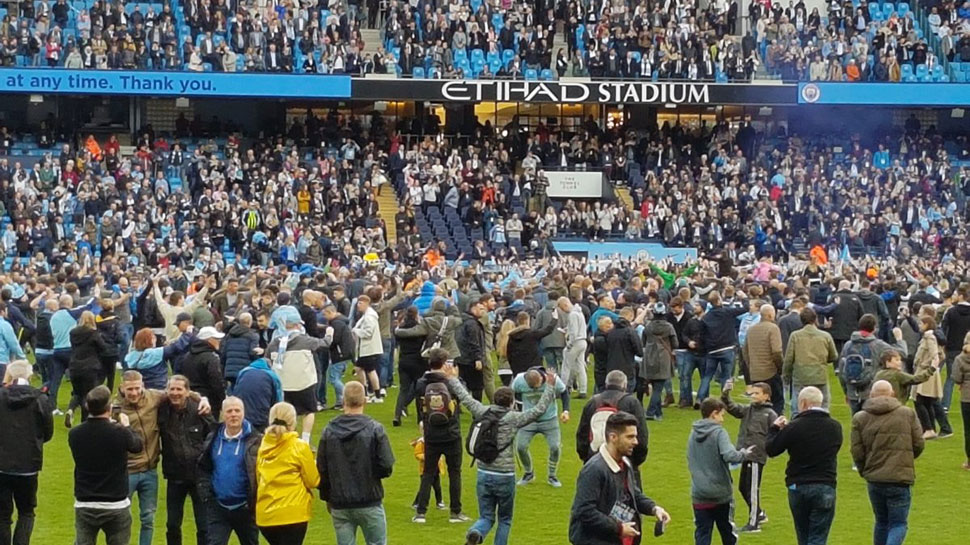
[387, 206]
[623, 194]
[372, 40]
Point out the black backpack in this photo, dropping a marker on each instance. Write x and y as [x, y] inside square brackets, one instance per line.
[482, 442]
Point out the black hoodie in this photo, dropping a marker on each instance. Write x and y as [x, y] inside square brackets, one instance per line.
[25, 425]
[204, 370]
[86, 349]
[353, 456]
[956, 324]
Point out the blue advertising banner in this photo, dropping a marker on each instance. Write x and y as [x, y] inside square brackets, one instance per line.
[610, 251]
[48, 81]
[885, 94]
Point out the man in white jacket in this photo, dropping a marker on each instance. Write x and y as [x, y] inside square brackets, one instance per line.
[370, 349]
[574, 356]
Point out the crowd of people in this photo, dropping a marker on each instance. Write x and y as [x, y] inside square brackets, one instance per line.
[480, 39]
[224, 375]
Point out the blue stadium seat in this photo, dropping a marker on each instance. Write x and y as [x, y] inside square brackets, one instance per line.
[907, 70]
[531, 74]
[418, 72]
[507, 57]
[922, 71]
[546, 75]
[902, 9]
[477, 55]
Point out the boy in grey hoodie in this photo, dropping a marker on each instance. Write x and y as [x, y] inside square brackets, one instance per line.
[709, 455]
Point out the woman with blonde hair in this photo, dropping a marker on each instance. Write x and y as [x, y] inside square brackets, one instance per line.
[84, 368]
[286, 473]
[502, 347]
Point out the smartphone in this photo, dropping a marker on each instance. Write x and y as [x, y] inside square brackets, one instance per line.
[115, 411]
[659, 528]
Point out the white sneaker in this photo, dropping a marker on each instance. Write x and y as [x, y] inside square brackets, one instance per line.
[378, 400]
[382, 393]
[57, 412]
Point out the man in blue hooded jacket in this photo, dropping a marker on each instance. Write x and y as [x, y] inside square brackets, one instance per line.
[228, 476]
[259, 388]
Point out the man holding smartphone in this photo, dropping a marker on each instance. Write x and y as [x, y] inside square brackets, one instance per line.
[609, 502]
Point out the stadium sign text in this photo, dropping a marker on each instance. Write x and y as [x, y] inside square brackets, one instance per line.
[575, 92]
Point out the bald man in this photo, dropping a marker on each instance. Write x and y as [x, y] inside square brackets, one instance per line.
[886, 440]
[763, 352]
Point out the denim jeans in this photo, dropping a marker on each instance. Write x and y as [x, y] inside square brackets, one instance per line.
[496, 498]
[890, 505]
[948, 383]
[321, 359]
[385, 371]
[62, 358]
[126, 331]
[44, 363]
[145, 484]
[797, 389]
[115, 523]
[548, 429]
[812, 508]
[719, 365]
[552, 358]
[655, 407]
[370, 520]
[224, 521]
[335, 375]
[687, 363]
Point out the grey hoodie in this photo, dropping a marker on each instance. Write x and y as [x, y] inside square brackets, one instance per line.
[876, 349]
[709, 453]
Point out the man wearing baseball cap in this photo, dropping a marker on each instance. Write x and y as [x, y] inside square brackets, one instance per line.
[292, 357]
[203, 367]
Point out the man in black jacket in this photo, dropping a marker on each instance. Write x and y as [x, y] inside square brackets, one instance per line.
[609, 502]
[812, 439]
[601, 353]
[183, 431]
[523, 348]
[471, 343]
[341, 353]
[956, 325]
[720, 334]
[439, 440]
[353, 457]
[617, 397]
[100, 448]
[623, 344]
[227, 477]
[846, 316]
[239, 347]
[203, 368]
[25, 425]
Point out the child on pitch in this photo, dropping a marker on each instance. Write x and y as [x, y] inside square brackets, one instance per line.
[756, 419]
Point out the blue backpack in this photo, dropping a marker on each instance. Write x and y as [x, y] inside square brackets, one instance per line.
[857, 367]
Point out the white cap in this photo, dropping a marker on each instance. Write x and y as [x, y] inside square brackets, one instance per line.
[209, 332]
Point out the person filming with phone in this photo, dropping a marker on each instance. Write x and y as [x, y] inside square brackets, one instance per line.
[609, 502]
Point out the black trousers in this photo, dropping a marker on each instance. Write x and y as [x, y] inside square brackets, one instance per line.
[176, 493]
[288, 534]
[82, 382]
[432, 454]
[222, 522]
[965, 411]
[19, 490]
[777, 394]
[750, 486]
[930, 412]
[406, 394]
